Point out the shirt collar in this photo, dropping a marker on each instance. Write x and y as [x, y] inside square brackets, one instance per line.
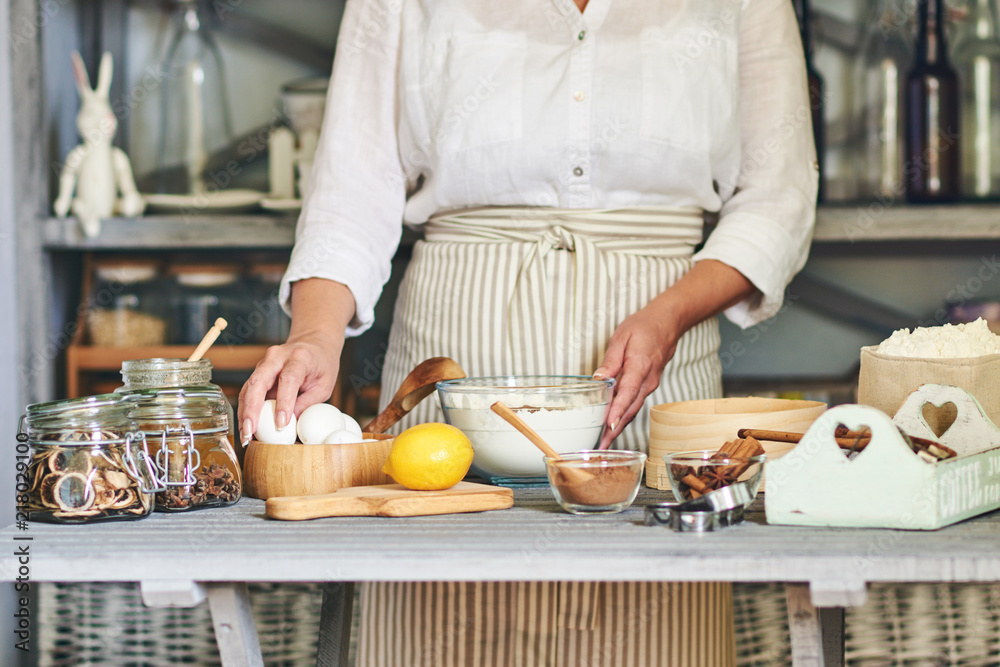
[590, 18]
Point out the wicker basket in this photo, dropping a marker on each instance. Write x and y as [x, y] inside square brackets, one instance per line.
[923, 625]
[107, 624]
[902, 625]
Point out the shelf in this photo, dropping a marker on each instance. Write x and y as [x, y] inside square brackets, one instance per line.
[875, 223]
[224, 358]
[244, 231]
[841, 223]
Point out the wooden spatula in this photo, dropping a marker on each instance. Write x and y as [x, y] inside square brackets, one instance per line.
[577, 475]
[416, 386]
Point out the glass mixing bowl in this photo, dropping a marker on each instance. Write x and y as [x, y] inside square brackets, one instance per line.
[568, 412]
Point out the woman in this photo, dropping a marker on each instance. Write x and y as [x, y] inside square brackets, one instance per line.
[560, 156]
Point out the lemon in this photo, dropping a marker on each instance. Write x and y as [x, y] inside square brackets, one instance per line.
[429, 457]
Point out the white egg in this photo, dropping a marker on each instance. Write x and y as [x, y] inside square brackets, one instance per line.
[351, 424]
[268, 432]
[318, 421]
[342, 437]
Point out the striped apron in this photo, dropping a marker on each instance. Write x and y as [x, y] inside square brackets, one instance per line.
[527, 291]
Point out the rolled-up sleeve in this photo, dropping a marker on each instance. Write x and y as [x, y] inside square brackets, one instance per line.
[765, 227]
[352, 212]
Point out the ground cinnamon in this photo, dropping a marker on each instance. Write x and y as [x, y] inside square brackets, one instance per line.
[608, 486]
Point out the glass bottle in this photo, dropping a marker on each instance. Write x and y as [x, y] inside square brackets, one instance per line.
[977, 59]
[815, 82]
[932, 165]
[187, 433]
[195, 114]
[87, 462]
[879, 101]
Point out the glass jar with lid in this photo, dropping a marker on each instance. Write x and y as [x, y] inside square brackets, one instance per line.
[126, 304]
[187, 433]
[159, 373]
[203, 293]
[88, 462]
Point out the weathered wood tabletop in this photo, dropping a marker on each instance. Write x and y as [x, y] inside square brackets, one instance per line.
[534, 540]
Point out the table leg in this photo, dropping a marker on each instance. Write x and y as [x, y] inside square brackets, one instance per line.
[235, 630]
[335, 624]
[831, 624]
[817, 634]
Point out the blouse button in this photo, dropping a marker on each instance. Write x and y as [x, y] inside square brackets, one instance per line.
[578, 171]
[583, 33]
[578, 96]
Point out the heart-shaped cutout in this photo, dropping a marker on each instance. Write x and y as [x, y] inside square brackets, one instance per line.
[852, 442]
[939, 417]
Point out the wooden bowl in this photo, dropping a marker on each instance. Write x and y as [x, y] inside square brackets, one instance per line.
[709, 424]
[307, 470]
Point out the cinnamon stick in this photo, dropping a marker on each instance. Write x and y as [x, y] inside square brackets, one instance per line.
[695, 483]
[856, 440]
[853, 440]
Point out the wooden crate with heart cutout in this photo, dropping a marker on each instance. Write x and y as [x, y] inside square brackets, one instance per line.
[887, 485]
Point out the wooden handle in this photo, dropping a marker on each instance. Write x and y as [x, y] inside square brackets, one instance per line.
[575, 474]
[390, 500]
[209, 338]
[511, 418]
[416, 386]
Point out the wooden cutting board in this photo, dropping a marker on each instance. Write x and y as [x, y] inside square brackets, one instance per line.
[391, 500]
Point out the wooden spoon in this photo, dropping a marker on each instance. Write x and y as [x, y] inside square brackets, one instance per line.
[209, 338]
[577, 475]
[416, 386]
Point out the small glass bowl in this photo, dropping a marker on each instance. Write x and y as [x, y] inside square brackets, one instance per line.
[746, 469]
[611, 482]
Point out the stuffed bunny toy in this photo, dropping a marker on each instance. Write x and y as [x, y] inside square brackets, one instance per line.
[95, 169]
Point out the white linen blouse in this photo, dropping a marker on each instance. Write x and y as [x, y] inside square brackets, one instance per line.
[438, 105]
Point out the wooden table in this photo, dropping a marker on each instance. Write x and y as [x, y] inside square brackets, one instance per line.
[180, 559]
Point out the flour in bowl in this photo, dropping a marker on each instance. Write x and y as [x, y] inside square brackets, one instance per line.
[949, 341]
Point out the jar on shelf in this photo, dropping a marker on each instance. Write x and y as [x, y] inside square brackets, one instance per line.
[88, 462]
[267, 323]
[187, 432]
[126, 305]
[201, 295]
[163, 373]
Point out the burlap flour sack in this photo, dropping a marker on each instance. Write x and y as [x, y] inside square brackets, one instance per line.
[886, 381]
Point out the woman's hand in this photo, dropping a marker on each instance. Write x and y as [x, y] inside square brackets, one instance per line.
[304, 370]
[297, 374]
[643, 344]
[636, 356]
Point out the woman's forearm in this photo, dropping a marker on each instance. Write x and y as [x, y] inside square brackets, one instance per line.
[320, 308]
[709, 288]
[645, 342]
